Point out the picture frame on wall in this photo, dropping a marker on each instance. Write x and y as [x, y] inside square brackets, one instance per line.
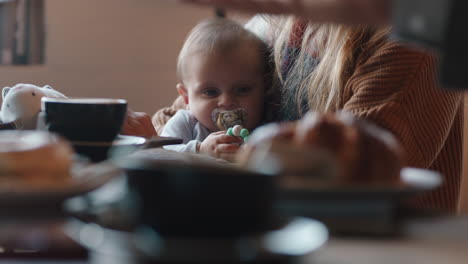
[22, 32]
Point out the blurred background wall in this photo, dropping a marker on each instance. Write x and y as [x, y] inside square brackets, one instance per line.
[111, 48]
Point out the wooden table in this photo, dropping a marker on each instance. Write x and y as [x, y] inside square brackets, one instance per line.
[423, 240]
[429, 239]
[432, 240]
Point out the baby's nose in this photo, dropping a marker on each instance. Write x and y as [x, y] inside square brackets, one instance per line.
[227, 101]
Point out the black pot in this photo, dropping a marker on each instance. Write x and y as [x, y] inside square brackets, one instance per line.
[180, 199]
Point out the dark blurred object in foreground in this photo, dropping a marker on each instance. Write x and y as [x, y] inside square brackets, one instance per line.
[200, 200]
[219, 12]
[7, 126]
[439, 24]
[182, 198]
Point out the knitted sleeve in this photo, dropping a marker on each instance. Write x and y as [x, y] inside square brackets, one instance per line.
[398, 89]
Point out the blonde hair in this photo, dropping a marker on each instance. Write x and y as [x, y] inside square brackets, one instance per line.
[219, 35]
[336, 48]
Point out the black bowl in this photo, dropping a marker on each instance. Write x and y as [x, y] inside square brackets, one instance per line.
[84, 119]
[200, 199]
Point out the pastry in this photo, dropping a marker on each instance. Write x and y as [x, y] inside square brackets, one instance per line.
[34, 157]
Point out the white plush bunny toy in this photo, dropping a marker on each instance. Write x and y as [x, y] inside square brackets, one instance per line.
[22, 103]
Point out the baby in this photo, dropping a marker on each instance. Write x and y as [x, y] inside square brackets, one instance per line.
[223, 71]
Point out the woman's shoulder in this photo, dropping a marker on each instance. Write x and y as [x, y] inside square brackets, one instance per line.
[391, 57]
[390, 49]
[393, 70]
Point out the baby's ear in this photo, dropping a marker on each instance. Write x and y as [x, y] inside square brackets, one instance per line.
[183, 92]
[5, 91]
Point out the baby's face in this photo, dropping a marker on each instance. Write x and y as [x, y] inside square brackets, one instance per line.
[226, 82]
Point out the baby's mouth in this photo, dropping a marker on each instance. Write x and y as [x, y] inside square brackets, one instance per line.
[224, 119]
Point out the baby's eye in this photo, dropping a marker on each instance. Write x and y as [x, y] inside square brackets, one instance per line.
[243, 90]
[211, 92]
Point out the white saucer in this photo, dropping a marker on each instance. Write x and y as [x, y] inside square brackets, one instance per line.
[413, 181]
[121, 140]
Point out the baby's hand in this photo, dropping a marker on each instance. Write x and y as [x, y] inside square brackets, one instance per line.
[220, 145]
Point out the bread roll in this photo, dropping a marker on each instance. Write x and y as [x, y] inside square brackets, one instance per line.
[364, 152]
[355, 151]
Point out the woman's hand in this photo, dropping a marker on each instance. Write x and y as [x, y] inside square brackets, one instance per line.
[220, 145]
[138, 124]
[254, 6]
[341, 11]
